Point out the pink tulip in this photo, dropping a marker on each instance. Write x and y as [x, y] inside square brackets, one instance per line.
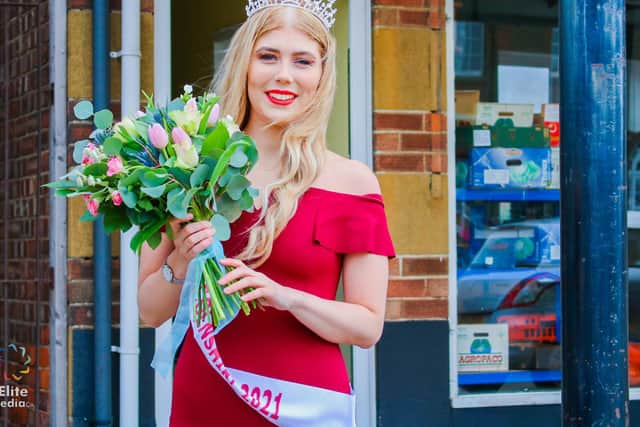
[180, 137]
[158, 136]
[192, 106]
[92, 207]
[214, 115]
[114, 165]
[87, 160]
[116, 198]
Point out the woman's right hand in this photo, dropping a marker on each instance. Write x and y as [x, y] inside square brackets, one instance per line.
[189, 239]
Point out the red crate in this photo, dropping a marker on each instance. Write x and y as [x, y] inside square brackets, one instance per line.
[530, 327]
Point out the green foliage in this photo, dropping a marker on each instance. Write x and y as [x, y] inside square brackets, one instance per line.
[112, 146]
[78, 149]
[103, 119]
[83, 110]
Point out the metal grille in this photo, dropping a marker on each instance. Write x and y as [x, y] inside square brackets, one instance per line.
[26, 276]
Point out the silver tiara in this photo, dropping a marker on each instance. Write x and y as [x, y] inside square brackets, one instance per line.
[321, 9]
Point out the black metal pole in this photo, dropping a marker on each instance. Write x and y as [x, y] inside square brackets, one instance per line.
[593, 214]
[103, 392]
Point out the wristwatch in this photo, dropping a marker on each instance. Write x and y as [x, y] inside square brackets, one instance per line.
[167, 273]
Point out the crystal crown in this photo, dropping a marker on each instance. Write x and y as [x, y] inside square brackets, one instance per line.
[321, 9]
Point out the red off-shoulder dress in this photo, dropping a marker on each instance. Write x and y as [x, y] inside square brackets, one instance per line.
[307, 255]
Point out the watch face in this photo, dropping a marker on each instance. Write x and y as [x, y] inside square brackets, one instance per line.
[167, 273]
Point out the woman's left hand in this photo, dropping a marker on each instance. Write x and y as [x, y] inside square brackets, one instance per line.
[265, 291]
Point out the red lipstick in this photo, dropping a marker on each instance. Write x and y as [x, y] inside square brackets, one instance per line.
[281, 97]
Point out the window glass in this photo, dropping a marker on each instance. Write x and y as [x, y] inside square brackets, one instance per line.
[508, 228]
[507, 193]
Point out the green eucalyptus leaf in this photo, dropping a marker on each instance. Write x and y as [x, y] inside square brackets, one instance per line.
[246, 201]
[103, 119]
[128, 197]
[61, 184]
[132, 178]
[78, 149]
[145, 204]
[199, 175]
[83, 110]
[223, 163]
[154, 177]
[115, 219]
[61, 192]
[229, 208]
[180, 175]
[146, 233]
[238, 159]
[224, 179]
[112, 146]
[154, 192]
[154, 240]
[96, 169]
[214, 143]
[221, 225]
[177, 203]
[236, 186]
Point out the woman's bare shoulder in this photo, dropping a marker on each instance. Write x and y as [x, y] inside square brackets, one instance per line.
[347, 176]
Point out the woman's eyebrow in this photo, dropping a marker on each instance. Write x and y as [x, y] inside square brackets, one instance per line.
[274, 50]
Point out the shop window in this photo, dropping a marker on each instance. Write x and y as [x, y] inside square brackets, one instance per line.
[507, 140]
[507, 198]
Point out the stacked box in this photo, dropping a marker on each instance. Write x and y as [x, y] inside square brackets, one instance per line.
[468, 137]
[510, 168]
[488, 113]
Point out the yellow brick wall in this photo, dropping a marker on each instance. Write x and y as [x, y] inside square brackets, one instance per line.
[410, 151]
[80, 86]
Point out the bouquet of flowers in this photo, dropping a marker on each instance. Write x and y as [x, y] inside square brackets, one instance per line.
[161, 163]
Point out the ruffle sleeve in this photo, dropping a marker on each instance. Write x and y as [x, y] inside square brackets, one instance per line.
[354, 224]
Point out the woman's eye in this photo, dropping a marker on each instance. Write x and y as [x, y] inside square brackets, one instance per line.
[304, 62]
[267, 57]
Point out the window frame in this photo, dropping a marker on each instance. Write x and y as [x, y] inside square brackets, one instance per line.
[497, 399]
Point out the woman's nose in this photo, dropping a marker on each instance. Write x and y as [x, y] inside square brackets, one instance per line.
[284, 73]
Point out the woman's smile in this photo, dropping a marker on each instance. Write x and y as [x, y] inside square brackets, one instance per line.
[281, 97]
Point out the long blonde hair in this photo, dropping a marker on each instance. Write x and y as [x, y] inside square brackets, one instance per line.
[303, 145]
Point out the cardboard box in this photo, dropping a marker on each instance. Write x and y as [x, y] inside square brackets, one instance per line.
[506, 248]
[468, 137]
[555, 168]
[466, 106]
[483, 347]
[510, 168]
[551, 113]
[520, 115]
[548, 241]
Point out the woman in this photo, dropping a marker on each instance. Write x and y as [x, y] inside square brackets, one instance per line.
[318, 216]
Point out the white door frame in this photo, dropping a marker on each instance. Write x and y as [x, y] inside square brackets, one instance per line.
[361, 148]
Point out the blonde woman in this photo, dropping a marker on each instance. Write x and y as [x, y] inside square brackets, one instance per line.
[318, 216]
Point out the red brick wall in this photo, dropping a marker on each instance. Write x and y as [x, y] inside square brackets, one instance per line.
[414, 141]
[24, 293]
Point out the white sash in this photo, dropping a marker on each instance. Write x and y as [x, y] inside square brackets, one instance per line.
[283, 403]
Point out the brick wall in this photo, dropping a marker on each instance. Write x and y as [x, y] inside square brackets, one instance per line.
[410, 151]
[24, 207]
[80, 87]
